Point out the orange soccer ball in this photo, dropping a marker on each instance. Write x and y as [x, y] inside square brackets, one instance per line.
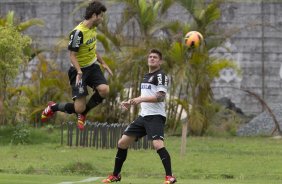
[193, 39]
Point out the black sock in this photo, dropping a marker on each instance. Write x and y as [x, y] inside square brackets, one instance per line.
[120, 158]
[95, 100]
[55, 107]
[69, 108]
[165, 157]
[64, 107]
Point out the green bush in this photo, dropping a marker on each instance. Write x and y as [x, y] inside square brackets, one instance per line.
[21, 134]
[25, 134]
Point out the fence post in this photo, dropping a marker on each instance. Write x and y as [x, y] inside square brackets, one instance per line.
[62, 133]
[104, 135]
[70, 133]
[100, 135]
[85, 134]
[91, 134]
[77, 137]
[96, 136]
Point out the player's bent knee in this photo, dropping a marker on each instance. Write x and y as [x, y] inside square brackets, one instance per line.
[103, 90]
[79, 110]
[158, 144]
[122, 144]
[125, 141]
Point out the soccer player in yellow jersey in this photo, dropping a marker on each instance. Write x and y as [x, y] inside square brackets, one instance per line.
[85, 70]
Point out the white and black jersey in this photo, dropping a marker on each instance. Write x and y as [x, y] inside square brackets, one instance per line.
[151, 84]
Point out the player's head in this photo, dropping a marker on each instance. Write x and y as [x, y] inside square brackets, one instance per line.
[95, 11]
[154, 58]
[156, 51]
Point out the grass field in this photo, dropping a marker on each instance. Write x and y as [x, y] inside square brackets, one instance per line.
[207, 161]
[47, 179]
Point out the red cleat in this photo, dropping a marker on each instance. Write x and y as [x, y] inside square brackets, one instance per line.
[47, 113]
[81, 121]
[112, 178]
[169, 180]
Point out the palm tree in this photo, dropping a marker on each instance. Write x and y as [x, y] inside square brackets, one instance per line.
[197, 68]
[11, 21]
[46, 80]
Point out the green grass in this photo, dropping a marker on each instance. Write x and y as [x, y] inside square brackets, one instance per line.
[36, 179]
[47, 179]
[208, 160]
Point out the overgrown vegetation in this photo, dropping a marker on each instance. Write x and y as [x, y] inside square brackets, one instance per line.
[12, 45]
[191, 73]
[15, 53]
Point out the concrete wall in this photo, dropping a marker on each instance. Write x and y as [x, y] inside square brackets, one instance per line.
[256, 47]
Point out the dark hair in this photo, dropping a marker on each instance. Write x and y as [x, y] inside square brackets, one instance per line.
[94, 7]
[156, 51]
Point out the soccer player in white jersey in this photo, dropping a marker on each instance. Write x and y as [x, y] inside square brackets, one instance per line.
[151, 119]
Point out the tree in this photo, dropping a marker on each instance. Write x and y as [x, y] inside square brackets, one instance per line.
[15, 52]
[12, 45]
[197, 68]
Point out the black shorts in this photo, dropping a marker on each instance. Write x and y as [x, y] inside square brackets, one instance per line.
[152, 125]
[92, 76]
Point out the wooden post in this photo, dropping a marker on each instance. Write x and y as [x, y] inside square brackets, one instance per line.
[184, 138]
[62, 133]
